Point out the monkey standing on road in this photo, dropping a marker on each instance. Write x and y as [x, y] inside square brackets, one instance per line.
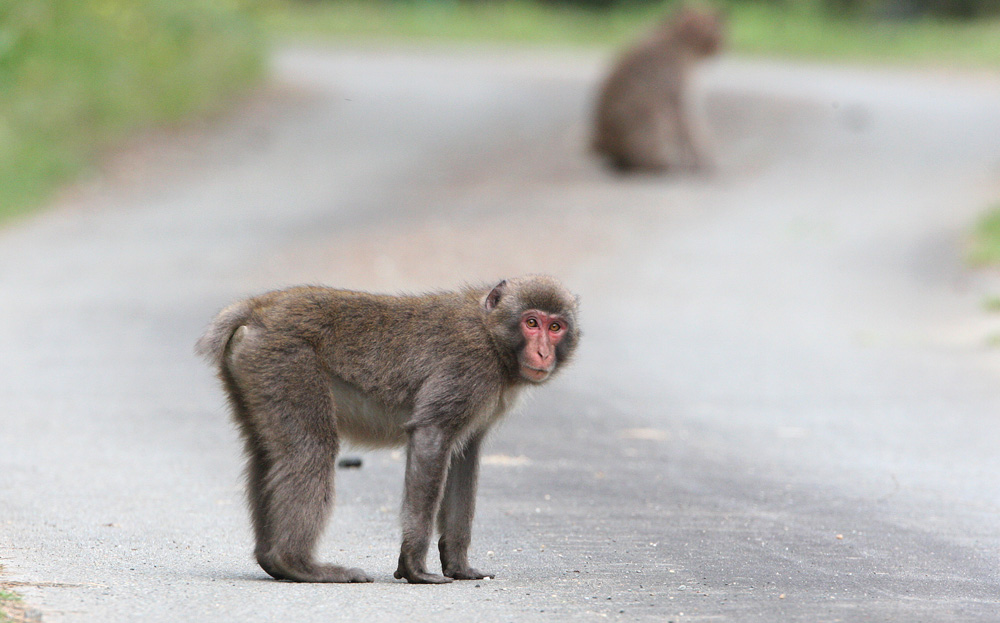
[306, 367]
[645, 119]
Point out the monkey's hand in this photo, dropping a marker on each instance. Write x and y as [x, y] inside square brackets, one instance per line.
[417, 574]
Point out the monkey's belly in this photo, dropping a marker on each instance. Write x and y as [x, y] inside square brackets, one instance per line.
[365, 421]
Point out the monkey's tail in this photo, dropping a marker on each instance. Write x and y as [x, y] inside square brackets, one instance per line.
[212, 345]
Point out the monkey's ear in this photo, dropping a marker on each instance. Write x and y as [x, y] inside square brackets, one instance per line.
[494, 296]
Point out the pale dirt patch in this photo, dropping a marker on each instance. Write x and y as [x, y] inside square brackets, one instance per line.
[645, 434]
[504, 460]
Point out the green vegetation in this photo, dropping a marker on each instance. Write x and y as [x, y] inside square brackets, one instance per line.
[906, 8]
[11, 609]
[984, 248]
[77, 74]
[763, 29]
[794, 28]
[506, 21]
[858, 8]
[991, 304]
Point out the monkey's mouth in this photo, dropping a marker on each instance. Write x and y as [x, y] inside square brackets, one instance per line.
[534, 374]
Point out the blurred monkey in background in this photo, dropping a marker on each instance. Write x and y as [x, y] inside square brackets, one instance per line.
[645, 118]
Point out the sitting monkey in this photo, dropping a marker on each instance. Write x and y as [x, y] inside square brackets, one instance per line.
[645, 120]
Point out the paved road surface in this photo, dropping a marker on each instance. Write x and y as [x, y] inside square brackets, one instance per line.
[784, 409]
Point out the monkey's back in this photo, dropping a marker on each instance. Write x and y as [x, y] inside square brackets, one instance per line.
[641, 92]
[387, 346]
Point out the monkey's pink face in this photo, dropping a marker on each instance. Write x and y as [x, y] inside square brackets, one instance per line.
[541, 334]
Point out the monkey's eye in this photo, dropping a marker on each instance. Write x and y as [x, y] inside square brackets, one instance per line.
[555, 327]
[531, 322]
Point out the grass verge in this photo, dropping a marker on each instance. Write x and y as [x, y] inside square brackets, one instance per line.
[755, 28]
[77, 74]
[12, 609]
[505, 21]
[984, 245]
[927, 42]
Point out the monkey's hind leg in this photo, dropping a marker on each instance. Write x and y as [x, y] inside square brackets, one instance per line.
[292, 446]
[298, 494]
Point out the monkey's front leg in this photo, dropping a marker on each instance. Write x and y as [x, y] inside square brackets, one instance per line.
[457, 509]
[427, 457]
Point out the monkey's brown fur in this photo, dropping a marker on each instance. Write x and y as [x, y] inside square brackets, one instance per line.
[308, 366]
[644, 117]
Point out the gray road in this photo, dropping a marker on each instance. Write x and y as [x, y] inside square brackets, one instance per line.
[785, 407]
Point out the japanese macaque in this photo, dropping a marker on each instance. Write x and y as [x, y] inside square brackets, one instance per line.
[308, 367]
[645, 118]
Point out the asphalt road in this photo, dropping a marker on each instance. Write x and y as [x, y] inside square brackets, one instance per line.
[785, 406]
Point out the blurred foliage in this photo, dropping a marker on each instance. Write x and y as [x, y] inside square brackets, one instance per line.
[764, 27]
[603, 4]
[75, 74]
[902, 9]
[520, 21]
[897, 9]
[984, 249]
[863, 8]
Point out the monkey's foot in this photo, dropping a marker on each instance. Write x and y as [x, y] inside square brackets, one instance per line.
[419, 577]
[467, 573]
[314, 573]
[335, 573]
[328, 573]
[413, 570]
